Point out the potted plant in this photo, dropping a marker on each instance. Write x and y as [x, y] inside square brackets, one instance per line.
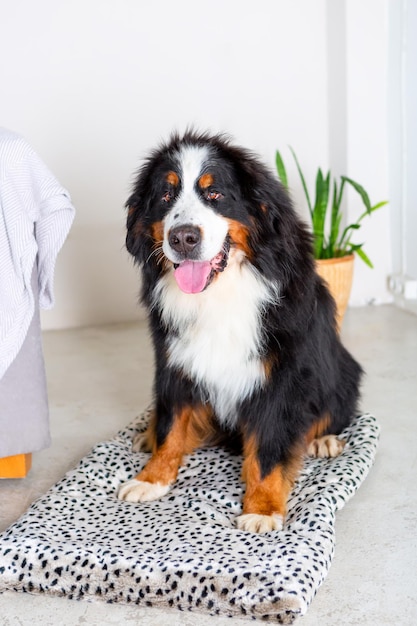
[333, 247]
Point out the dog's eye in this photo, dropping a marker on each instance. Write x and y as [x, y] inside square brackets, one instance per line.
[166, 197]
[214, 195]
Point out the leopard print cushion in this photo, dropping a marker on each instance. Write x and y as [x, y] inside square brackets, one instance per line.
[184, 550]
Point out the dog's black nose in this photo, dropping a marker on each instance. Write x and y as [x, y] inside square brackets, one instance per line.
[184, 239]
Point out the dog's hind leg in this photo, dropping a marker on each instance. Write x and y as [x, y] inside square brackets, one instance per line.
[326, 447]
[321, 444]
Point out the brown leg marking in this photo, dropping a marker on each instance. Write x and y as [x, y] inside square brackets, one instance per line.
[323, 446]
[189, 430]
[265, 501]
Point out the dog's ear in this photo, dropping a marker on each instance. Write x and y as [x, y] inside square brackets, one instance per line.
[138, 210]
[134, 225]
[287, 241]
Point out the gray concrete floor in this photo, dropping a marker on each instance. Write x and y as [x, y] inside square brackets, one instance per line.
[100, 378]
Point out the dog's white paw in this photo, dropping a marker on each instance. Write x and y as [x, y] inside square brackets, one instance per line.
[326, 447]
[141, 491]
[255, 523]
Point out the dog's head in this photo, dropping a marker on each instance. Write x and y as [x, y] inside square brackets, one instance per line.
[200, 204]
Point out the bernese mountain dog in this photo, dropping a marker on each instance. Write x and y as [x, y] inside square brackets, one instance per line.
[244, 332]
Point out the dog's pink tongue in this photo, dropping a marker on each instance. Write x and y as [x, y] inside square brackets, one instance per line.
[192, 276]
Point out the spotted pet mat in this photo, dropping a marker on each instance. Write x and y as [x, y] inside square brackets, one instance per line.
[183, 551]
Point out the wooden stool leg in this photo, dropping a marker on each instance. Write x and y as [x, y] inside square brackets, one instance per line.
[17, 466]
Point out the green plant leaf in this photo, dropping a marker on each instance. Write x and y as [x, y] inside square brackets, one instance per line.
[344, 242]
[334, 236]
[348, 228]
[361, 191]
[319, 212]
[372, 209]
[336, 216]
[282, 172]
[328, 243]
[379, 205]
[310, 206]
[362, 255]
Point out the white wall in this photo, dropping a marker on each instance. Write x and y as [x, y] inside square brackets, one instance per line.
[367, 48]
[402, 102]
[94, 84]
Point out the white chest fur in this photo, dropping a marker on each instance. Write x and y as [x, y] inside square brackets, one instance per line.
[218, 337]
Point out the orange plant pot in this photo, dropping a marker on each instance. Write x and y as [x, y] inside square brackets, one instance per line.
[338, 274]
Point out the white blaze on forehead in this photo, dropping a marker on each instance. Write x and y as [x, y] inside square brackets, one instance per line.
[192, 160]
[189, 209]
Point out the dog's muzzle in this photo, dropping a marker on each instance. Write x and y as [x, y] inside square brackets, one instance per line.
[192, 274]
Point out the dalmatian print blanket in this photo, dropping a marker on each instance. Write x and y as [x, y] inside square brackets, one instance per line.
[183, 551]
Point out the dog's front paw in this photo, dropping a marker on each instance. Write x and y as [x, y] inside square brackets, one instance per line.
[255, 523]
[141, 491]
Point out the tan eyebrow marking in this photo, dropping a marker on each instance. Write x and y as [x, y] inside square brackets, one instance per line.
[206, 180]
[172, 179]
